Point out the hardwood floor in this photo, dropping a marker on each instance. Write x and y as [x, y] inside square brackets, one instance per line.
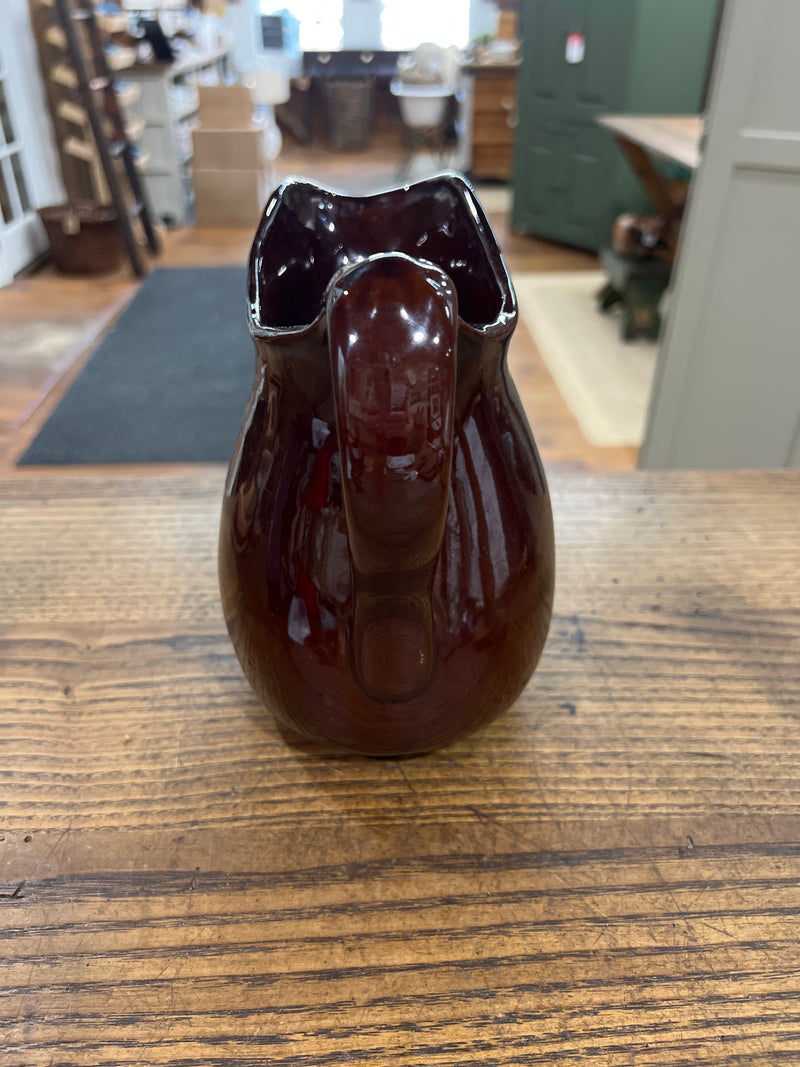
[85, 308]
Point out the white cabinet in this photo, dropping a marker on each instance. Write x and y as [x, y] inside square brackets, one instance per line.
[168, 106]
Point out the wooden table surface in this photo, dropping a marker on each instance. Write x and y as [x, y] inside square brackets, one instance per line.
[673, 137]
[608, 874]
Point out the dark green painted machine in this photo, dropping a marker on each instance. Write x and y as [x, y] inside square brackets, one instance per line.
[638, 56]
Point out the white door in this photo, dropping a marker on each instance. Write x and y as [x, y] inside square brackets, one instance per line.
[28, 168]
[727, 389]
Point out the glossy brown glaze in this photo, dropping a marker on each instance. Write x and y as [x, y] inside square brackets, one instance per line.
[386, 550]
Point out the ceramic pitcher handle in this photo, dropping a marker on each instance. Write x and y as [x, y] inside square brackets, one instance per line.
[392, 324]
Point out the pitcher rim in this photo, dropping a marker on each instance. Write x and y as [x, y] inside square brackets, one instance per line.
[502, 326]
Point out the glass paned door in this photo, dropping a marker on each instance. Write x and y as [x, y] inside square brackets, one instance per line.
[16, 202]
[21, 236]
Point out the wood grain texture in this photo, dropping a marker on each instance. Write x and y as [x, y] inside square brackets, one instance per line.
[608, 874]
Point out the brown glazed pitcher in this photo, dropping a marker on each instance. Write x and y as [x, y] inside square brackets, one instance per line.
[386, 551]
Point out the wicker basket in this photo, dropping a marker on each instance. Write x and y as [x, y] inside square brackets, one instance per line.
[83, 237]
[349, 106]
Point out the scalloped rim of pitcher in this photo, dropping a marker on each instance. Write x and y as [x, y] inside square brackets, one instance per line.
[501, 327]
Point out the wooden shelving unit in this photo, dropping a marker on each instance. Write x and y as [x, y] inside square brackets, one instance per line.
[493, 118]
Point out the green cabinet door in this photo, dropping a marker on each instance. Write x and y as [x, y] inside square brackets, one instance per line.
[550, 86]
[570, 168]
[563, 168]
[543, 161]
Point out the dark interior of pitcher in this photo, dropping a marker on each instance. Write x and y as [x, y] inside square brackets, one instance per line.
[309, 234]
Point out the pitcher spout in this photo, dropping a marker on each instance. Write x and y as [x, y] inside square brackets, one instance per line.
[392, 328]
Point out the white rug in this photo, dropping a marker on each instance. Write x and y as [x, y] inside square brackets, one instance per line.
[495, 199]
[37, 346]
[604, 381]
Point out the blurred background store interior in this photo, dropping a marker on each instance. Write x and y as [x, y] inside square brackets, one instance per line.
[637, 161]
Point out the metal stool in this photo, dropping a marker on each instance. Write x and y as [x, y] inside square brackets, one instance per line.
[637, 284]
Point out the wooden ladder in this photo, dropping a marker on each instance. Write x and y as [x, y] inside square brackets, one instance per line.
[117, 145]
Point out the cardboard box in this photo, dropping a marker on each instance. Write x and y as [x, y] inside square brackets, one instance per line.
[229, 197]
[225, 107]
[229, 149]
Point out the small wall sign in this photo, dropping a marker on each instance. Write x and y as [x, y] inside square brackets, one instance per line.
[576, 47]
